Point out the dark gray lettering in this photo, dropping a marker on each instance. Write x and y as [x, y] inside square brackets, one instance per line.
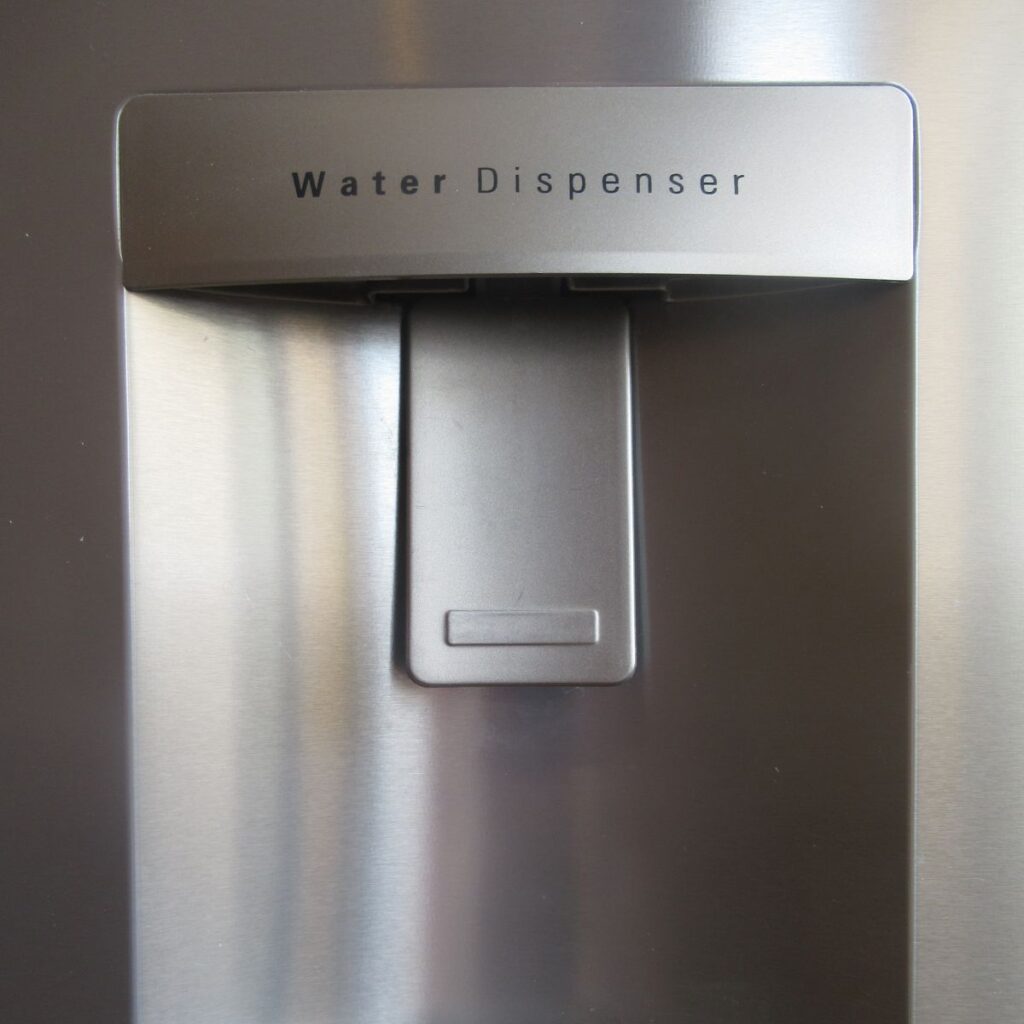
[308, 183]
[480, 172]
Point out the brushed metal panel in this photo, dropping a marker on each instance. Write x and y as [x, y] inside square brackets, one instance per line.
[278, 765]
[722, 839]
[520, 482]
[61, 627]
[811, 181]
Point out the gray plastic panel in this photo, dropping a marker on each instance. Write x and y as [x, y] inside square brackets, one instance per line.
[520, 494]
[806, 181]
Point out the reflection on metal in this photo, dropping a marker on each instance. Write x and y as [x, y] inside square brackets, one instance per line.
[269, 729]
[791, 40]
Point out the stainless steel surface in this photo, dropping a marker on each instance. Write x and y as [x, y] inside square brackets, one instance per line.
[722, 838]
[279, 763]
[520, 470]
[60, 631]
[811, 181]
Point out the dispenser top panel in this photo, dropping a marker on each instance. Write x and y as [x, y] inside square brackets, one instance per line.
[778, 180]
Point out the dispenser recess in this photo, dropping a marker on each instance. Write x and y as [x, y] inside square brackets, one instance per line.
[518, 394]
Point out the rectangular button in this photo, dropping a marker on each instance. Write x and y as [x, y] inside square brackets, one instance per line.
[500, 628]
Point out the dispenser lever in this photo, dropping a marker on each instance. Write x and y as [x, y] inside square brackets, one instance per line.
[520, 491]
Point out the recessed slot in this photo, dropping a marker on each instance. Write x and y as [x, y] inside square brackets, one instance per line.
[501, 628]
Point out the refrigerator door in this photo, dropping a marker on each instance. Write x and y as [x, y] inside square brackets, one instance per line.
[314, 837]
